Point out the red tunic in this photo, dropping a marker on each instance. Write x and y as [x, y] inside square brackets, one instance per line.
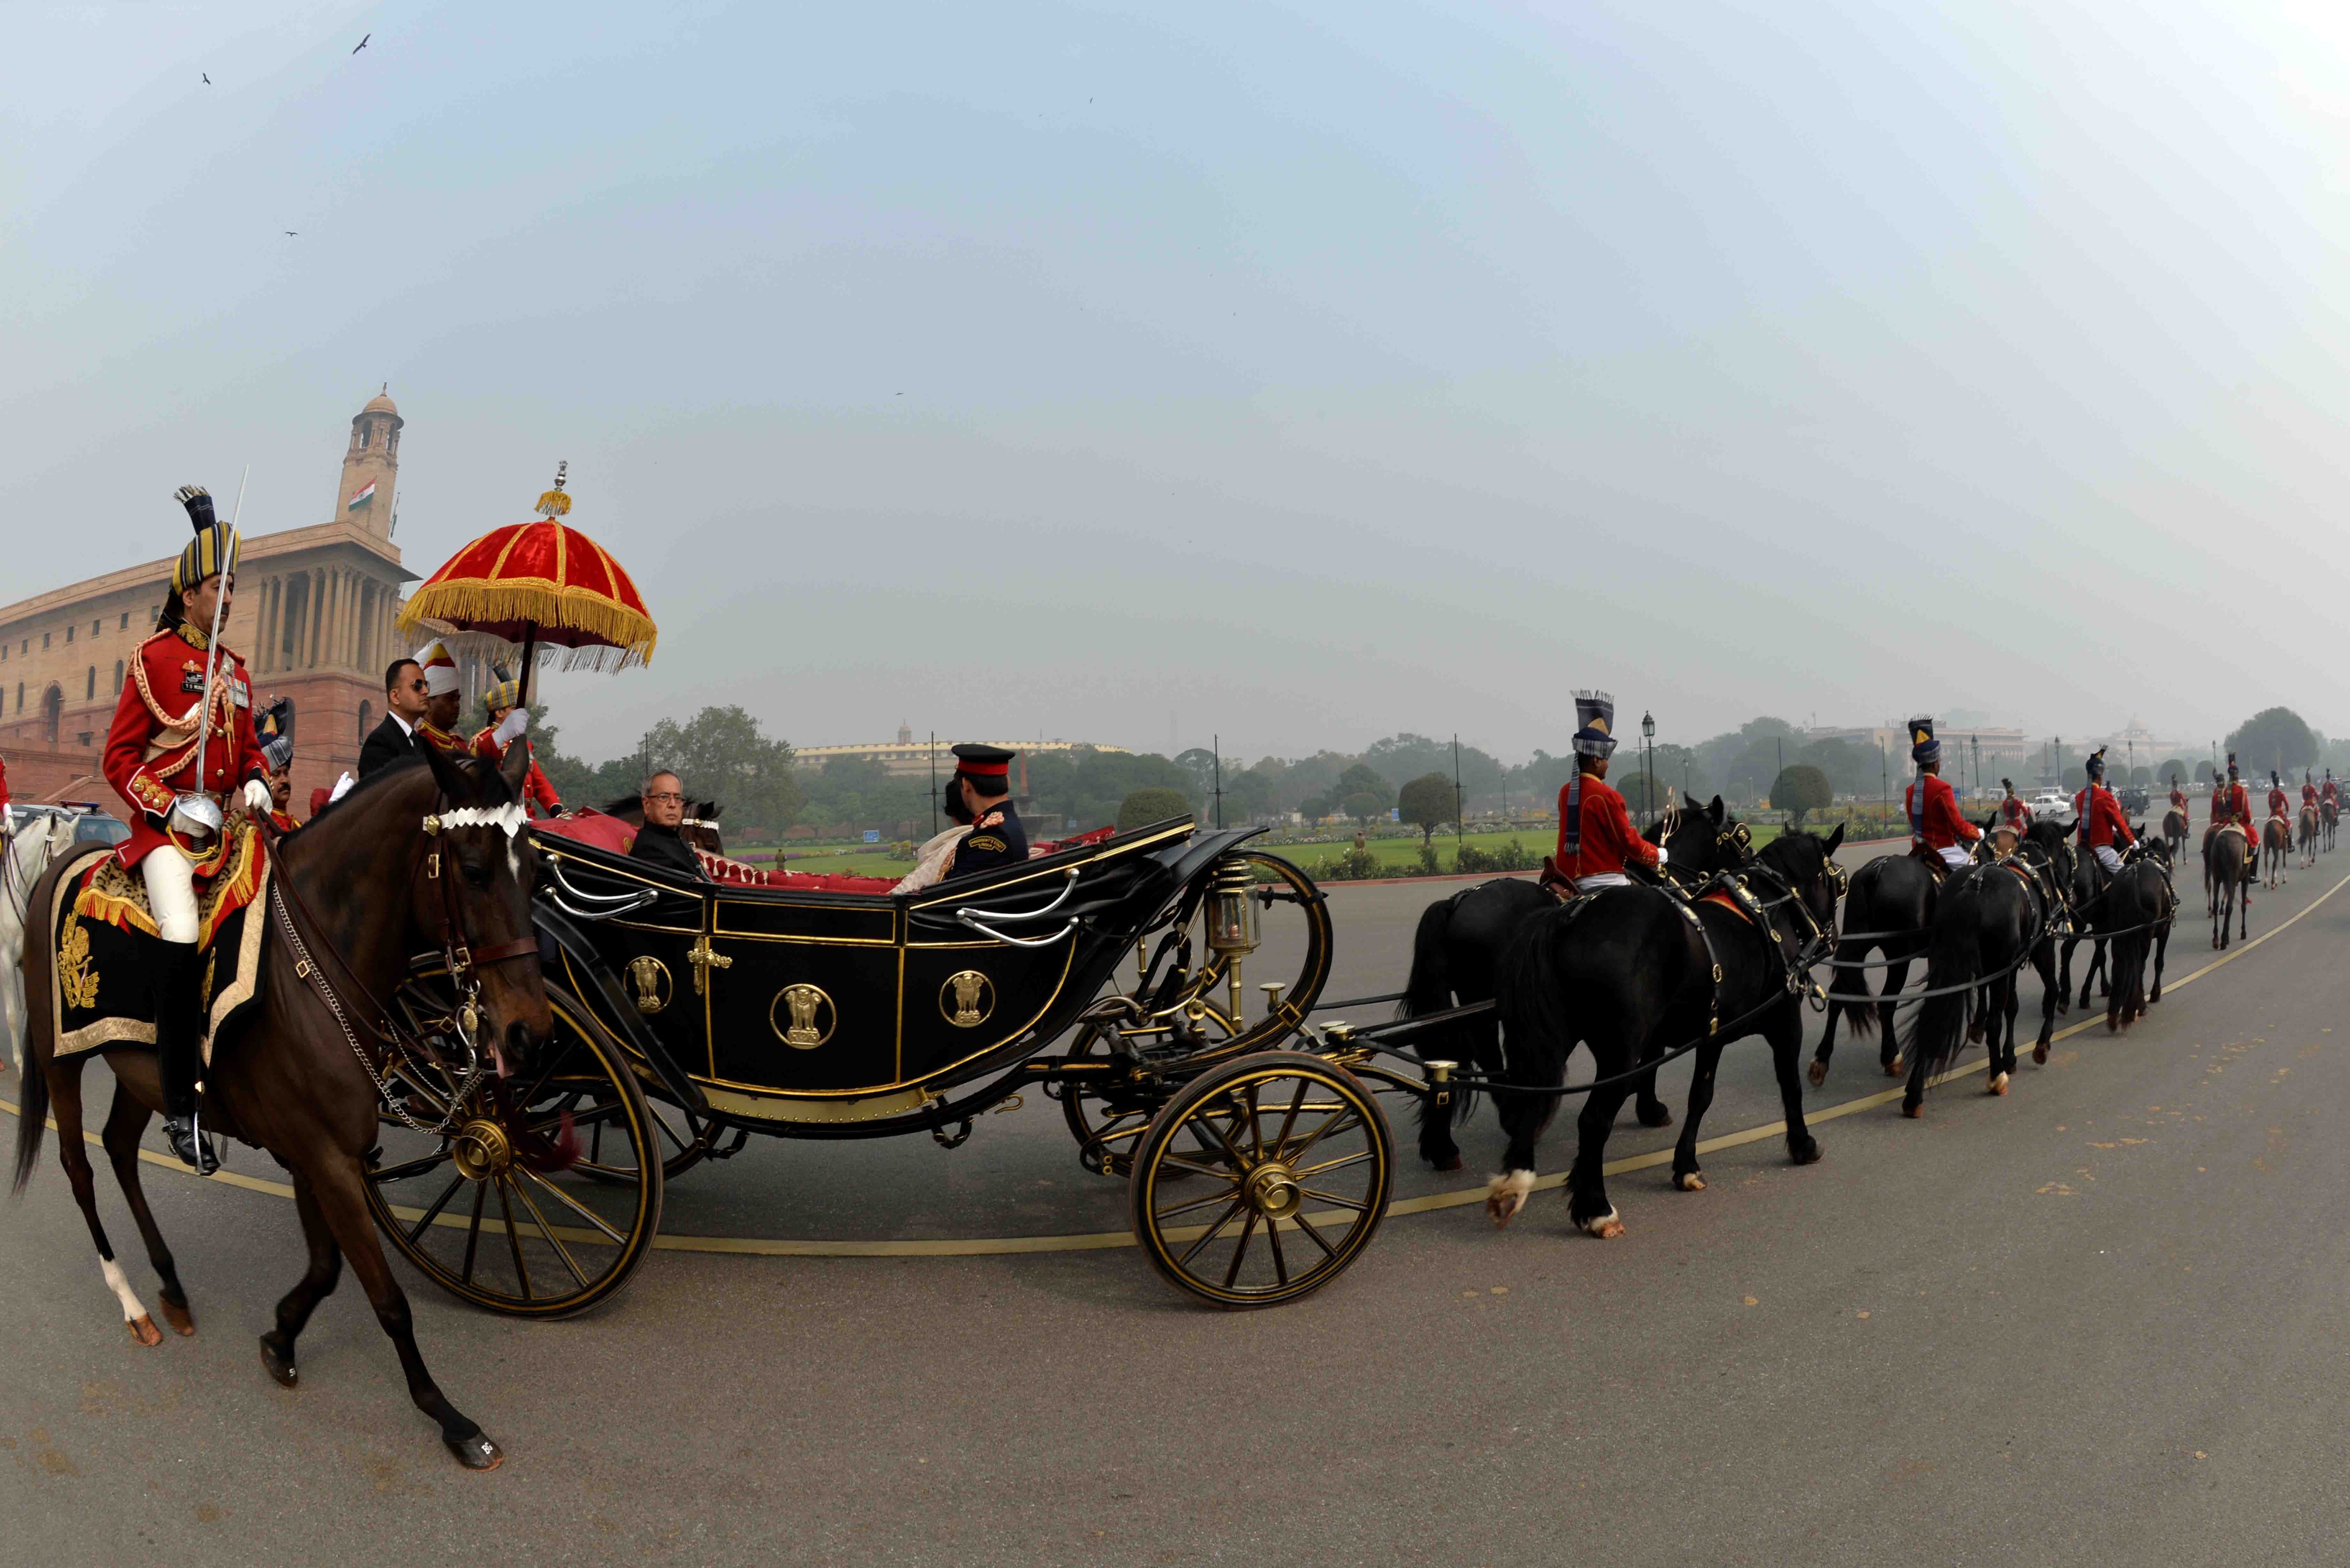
[1944, 826]
[2278, 804]
[150, 750]
[2101, 810]
[535, 790]
[2327, 792]
[2179, 800]
[2013, 813]
[2231, 804]
[1608, 843]
[2308, 794]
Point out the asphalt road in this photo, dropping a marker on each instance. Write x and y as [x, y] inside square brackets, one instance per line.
[2100, 1318]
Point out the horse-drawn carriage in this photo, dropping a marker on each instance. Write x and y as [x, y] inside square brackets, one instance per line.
[692, 1015]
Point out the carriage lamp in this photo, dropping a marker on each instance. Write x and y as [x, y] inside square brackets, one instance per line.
[1231, 923]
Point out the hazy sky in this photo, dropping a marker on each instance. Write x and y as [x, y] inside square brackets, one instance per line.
[1301, 374]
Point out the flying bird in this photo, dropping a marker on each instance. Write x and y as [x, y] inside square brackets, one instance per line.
[293, 230]
[362, 43]
[208, 81]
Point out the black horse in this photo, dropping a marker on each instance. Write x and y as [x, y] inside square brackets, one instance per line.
[2085, 882]
[2139, 904]
[1461, 939]
[1629, 973]
[1993, 916]
[1888, 910]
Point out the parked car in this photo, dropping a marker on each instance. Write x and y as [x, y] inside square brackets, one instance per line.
[2052, 804]
[2134, 798]
[91, 825]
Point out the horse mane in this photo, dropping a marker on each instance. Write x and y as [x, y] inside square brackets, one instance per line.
[481, 774]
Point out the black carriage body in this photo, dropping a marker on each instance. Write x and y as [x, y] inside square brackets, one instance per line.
[823, 1014]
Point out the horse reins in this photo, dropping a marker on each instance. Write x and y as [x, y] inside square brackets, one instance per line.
[400, 1044]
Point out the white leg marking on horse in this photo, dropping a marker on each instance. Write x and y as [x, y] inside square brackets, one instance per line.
[1601, 1221]
[1507, 1193]
[116, 1281]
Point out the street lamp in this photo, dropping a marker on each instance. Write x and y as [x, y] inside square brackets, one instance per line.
[1649, 768]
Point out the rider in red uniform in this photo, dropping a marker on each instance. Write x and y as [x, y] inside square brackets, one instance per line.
[2280, 805]
[1935, 821]
[164, 713]
[2328, 791]
[2015, 815]
[2097, 811]
[2308, 791]
[1595, 841]
[508, 720]
[2231, 807]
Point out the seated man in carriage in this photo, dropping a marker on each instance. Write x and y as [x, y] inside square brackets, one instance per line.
[2098, 816]
[1939, 833]
[658, 841]
[1597, 841]
[983, 782]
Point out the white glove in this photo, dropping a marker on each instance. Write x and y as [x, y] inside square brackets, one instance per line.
[342, 787]
[256, 797]
[517, 720]
[1664, 856]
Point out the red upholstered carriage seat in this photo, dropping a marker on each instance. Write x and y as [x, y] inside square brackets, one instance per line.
[591, 826]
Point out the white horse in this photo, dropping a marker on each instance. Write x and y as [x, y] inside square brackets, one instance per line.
[24, 852]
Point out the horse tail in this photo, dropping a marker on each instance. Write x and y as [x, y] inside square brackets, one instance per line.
[32, 1121]
[1429, 989]
[1953, 962]
[2129, 969]
[1530, 991]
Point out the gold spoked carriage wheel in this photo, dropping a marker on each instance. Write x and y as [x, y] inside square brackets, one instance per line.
[1262, 1180]
[1106, 1121]
[545, 1193]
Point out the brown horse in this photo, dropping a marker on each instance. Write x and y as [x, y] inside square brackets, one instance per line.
[2276, 848]
[2305, 836]
[422, 856]
[2174, 831]
[2230, 867]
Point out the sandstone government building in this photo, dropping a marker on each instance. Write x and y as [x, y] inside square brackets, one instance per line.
[313, 618]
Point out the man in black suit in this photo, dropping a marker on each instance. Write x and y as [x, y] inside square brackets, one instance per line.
[658, 840]
[394, 739]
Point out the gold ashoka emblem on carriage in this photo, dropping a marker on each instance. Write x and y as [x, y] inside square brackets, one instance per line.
[654, 987]
[795, 1013]
[967, 998]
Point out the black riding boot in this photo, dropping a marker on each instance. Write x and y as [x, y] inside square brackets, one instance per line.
[179, 1054]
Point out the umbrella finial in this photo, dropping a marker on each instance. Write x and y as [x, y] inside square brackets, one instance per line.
[554, 502]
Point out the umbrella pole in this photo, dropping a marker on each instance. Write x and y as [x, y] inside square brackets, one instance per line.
[530, 637]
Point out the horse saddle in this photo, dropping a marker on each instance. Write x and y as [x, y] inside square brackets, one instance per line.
[1931, 858]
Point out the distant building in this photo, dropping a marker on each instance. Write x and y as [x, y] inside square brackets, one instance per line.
[312, 616]
[907, 757]
[1997, 747]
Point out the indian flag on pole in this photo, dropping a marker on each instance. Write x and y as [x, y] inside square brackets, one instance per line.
[361, 499]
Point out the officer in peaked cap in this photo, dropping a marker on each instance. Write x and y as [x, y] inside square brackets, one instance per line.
[984, 780]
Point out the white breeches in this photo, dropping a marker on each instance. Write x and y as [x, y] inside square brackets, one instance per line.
[1953, 855]
[2107, 857]
[1598, 879]
[171, 892]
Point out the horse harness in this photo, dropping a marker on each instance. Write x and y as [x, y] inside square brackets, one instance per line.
[399, 1043]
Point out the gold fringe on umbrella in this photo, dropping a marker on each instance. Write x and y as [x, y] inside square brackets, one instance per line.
[556, 612]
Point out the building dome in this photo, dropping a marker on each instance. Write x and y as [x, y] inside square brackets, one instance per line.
[381, 404]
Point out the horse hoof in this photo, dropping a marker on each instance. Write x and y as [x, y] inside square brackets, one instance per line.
[1807, 1153]
[176, 1315]
[1818, 1072]
[1663, 1118]
[1892, 1068]
[144, 1332]
[1506, 1194]
[1915, 1113]
[2040, 1054]
[476, 1452]
[1451, 1164]
[1689, 1180]
[281, 1368]
[1998, 1084]
[1607, 1226]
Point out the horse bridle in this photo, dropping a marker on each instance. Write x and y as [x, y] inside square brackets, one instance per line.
[458, 953]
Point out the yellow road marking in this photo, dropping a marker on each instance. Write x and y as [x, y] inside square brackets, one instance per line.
[1096, 1241]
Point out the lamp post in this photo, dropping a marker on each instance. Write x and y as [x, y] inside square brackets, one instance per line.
[1648, 769]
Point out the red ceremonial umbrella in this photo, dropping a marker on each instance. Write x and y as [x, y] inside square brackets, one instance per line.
[541, 582]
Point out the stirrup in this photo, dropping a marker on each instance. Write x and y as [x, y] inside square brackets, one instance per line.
[188, 1142]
